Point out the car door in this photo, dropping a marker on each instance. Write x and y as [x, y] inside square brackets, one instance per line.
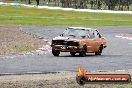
[97, 40]
[91, 42]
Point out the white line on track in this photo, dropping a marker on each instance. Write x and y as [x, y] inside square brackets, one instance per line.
[123, 37]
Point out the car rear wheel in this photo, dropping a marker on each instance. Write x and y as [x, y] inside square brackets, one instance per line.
[73, 53]
[55, 52]
[99, 51]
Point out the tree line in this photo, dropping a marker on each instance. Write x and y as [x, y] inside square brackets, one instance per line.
[85, 4]
[96, 4]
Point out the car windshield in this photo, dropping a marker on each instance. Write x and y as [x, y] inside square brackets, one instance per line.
[75, 32]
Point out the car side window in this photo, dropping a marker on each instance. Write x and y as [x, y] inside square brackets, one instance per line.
[91, 34]
[96, 34]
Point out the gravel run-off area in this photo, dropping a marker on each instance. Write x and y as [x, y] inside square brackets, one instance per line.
[13, 40]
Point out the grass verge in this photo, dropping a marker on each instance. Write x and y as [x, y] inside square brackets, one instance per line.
[45, 17]
[57, 80]
[22, 48]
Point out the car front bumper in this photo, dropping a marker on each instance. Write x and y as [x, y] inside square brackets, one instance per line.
[64, 48]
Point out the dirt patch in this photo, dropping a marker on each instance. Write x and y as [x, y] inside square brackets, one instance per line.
[12, 40]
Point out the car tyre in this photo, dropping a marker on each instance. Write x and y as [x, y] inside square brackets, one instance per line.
[99, 51]
[73, 53]
[55, 52]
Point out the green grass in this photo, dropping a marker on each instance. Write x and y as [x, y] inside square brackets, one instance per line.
[34, 16]
[22, 48]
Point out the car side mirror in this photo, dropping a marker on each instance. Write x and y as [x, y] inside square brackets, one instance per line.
[99, 36]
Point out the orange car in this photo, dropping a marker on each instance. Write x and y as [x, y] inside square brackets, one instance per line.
[78, 40]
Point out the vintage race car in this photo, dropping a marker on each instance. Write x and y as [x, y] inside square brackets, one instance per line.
[78, 40]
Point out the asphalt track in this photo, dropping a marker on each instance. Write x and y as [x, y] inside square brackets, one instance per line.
[117, 56]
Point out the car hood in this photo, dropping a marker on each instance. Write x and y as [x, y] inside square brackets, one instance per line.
[67, 38]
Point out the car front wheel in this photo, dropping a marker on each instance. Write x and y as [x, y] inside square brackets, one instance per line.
[83, 53]
[55, 52]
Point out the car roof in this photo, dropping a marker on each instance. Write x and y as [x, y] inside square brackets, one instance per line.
[85, 28]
